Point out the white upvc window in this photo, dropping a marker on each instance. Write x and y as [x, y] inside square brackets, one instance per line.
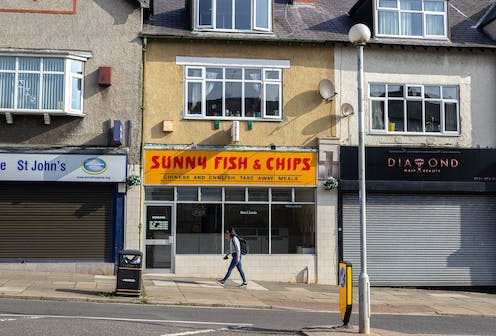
[41, 84]
[414, 109]
[233, 15]
[232, 88]
[411, 18]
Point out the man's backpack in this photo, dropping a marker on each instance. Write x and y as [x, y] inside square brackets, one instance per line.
[244, 246]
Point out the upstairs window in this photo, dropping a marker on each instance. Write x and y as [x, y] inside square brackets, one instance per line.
[425, 109]
[411, 18]
[233, 15]
[41, 84]
[223, 88]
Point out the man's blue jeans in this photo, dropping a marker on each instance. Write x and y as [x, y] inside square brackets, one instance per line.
[238, 265]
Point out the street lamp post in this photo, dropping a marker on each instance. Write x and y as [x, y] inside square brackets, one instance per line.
[359, 35]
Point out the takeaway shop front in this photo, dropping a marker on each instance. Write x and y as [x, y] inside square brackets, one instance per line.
[62, 210]
[431, 215]
[192, 196]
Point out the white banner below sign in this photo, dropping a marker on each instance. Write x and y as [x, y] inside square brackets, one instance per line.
[62, 167]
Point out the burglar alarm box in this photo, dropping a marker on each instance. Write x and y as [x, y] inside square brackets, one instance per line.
[104, 76]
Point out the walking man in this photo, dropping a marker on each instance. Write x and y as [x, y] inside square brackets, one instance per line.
[235, 252]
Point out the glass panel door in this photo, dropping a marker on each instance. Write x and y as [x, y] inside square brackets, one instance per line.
[159, 239]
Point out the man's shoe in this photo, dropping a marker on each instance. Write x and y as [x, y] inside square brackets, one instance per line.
[220, 283]
[244, 284]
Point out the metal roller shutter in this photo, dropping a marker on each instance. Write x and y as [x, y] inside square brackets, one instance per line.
[55, 221]
[423, 240]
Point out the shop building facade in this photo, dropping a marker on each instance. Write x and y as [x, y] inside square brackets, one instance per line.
[224, 87]
[232, 118]
[70, 98]
[429, 115]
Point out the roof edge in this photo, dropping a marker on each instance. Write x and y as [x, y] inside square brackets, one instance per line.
[356, 6]
[483, 20]
[335, 41]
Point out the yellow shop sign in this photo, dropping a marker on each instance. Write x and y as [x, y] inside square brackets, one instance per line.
[230, 167]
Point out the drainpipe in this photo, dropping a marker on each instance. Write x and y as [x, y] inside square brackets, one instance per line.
[142, 189]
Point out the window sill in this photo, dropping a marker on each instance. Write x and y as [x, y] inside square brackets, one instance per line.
[378, 37]
[201, 30]
[9, 115]
[231, 119]
[414, 134]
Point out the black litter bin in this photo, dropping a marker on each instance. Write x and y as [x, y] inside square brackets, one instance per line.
[129, 273]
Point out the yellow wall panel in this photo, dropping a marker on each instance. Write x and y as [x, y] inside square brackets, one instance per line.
[305, 116]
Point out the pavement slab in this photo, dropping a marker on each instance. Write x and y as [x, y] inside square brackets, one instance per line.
[12, 289]
[341, 331]
[168, 289]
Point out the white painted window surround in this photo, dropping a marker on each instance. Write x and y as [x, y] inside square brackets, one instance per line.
[414, 109]
[232, 88]
[426, 19]
[233, 15]
[49, 82]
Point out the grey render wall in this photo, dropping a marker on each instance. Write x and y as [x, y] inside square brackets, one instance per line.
[490, 30]
[110, 30]
[473, 71]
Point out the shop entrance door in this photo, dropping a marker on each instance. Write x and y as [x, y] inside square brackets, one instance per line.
[160, 239]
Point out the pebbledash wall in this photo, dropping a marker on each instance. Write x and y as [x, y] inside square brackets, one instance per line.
[106, 34]
[305, 119]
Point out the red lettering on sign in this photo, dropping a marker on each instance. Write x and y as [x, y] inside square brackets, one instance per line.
[296, 163]
[243, 163]
[155, 163]
[269, 163]
[178, 162]
[306, 164]
[202, 162]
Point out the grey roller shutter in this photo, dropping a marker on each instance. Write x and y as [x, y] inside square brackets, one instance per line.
[55, 222]
[423, 240]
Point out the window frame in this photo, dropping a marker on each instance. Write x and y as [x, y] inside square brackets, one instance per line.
[405, 99]
[424, 14]
[174, 201]
[66, 108]
[254, 28]
[265, 66]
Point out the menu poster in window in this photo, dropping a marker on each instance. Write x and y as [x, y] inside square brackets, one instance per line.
[158, 223]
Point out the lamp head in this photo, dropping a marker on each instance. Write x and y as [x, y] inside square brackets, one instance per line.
[359, 34]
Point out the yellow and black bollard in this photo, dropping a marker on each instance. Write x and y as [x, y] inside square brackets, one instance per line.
[345, 291]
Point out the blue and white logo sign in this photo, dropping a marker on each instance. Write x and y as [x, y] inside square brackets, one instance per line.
[62, 167]
[94, 166]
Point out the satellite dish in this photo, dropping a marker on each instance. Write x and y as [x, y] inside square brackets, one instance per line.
[347, 110]
[326, 90]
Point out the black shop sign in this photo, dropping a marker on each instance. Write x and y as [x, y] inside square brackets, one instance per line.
[421, 164]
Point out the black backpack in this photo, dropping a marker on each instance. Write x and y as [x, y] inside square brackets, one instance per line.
[244, 246]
